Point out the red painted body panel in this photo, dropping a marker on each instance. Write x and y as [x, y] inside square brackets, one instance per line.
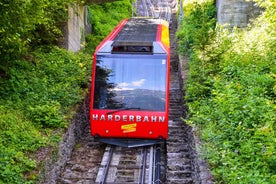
[130, 123]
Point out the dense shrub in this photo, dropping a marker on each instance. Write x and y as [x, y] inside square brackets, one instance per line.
[194, 38]
[18, 136]
[26, 24]
[104, 17]
[231, 94]
[35, 99]
[196, 30]
[38, 91]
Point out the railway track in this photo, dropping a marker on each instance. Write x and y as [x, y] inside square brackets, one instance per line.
[124, 165]
[172, 162]
[156, 8]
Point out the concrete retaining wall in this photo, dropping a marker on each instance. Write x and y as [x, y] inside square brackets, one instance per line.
[236, 12]
[76, 28]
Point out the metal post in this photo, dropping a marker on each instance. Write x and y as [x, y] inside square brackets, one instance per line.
[181, 13]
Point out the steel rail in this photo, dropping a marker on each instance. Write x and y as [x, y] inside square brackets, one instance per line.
[151, 164]
[143, 166]
[144, 5]
[107, 165]
[157, 167]
[150, 8]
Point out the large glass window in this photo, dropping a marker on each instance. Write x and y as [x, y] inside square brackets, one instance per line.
[130, 82]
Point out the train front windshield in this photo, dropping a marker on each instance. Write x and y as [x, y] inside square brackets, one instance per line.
[135, 82]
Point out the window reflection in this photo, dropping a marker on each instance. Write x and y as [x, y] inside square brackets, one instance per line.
[129, 82]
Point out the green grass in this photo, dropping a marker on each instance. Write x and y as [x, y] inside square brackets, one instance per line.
[39, 93]
[36, 96]
[231, 94]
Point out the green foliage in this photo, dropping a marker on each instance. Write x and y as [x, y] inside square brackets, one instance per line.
[48, 86]
[35, 98]
[231, 94]
[18, 136]
[104, 17]
[47, 115]
[56, 75]
[39, 90]
[27, 24]
[194, 38]
[196, 28]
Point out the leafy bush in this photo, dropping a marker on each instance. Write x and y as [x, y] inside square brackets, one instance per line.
[27, 24]
[231, 94]
[35, 98]
[194, 37]
[55, 75]
[196, 29]
[38, 91]
[103, 18]
[18, 137]
[47, 115]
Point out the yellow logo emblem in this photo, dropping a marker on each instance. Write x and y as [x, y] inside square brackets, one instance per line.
[129, 128]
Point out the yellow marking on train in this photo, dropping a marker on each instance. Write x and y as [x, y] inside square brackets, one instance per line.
[129, 128]
[165, 37]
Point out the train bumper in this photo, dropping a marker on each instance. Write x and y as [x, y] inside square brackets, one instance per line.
[129, 143]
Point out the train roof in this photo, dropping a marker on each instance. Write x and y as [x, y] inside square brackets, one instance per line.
[137, 35]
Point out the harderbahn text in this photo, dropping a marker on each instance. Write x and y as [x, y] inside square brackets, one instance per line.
[128, 118]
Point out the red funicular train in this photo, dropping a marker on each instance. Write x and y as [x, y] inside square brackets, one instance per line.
[130, 84]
